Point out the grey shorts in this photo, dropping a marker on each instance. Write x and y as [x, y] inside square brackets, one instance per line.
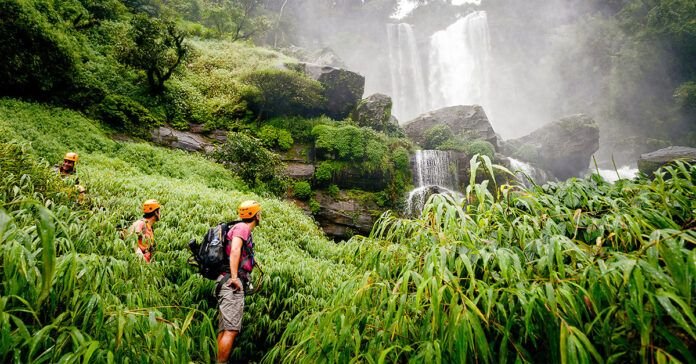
[231, 305]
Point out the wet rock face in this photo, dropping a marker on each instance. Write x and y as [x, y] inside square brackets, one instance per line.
[470, 120]
[344, 217]
[181, 140]
[650, 162]
[564, 147]
[374, 112]
[343, 89]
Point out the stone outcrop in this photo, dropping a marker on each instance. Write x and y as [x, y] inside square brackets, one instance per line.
[650, 162]
[343, 217]
[343, 89]
[470, 121]
[301, 171]
[181, 139]
[564, 148]
[374, 112]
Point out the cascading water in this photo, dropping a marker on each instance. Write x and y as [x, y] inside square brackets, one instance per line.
[524, 171]
[459, 60]
[611, 175]
[405, 7]
[408, 85]
[435, 171]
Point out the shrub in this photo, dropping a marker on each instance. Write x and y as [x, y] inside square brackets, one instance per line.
[481, 147]
[302, 190]
[275, 138]
[286, 93]
[37, 58]
[125, 114]
[436, 136]
[254, 164]
[333, 191]
[325, 171]
[314, 206]
[300, 128]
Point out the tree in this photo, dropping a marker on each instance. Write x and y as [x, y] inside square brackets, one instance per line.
[241, 19]
[157, 48]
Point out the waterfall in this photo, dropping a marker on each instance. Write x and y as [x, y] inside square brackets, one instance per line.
[405, 7]
[458, 62]
[407, 82]
[611, 176]
[524, 171]
[435, 171]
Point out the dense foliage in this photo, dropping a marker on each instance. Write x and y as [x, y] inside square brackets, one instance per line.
[348, 149]
[71, 288]
[580, 271]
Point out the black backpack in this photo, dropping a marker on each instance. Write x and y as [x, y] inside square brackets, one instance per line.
[209, 256]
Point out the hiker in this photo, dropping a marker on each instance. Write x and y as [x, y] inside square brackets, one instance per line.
[231, 284]
[143, 229]
[68, 170]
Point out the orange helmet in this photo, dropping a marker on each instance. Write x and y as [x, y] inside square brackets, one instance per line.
[70, 156]
[150, 205]
[248, 209]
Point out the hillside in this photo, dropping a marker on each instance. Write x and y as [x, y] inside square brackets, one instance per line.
[72, 288]
[299, 105]
[577, 271]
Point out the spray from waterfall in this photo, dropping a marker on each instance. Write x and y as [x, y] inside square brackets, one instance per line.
[459, 60]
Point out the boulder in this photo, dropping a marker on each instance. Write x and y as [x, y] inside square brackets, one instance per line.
[181, 140]
[374, 112]
[650, 162]
[343, 89]
[470, 121]
[299, 170]
[564, 148]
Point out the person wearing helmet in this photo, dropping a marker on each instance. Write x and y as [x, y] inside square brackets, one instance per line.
[143, 229]
[68, 170]
[68, 167]
[231, 284]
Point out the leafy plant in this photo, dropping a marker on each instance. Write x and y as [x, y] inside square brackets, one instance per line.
[284, 93]
[254, 164]
[302, 190]
[275, 138]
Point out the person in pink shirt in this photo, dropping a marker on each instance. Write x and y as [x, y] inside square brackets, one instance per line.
[231, 284]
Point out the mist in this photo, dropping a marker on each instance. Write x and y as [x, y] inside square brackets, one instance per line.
[540, 60]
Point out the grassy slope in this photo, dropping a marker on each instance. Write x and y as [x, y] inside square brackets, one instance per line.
[300, 268]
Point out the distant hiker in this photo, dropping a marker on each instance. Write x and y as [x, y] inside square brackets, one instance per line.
[231, 284]
[143, 229]
[68, 172]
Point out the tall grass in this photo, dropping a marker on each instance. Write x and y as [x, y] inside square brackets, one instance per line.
[72, 289]
[579, 271]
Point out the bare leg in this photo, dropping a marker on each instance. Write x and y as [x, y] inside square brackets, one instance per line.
[225, 341]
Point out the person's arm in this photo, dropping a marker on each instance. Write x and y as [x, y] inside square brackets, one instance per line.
[235, 253]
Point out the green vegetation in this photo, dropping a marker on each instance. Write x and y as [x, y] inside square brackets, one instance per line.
[344, 147]
[302, 190]
[580, 271]
[254, 164]
[72, 289]
[437, 136]
[275, 138]
[282, 92]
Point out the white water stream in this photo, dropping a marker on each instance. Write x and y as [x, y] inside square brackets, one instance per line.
[407, 82]
[435, 172]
